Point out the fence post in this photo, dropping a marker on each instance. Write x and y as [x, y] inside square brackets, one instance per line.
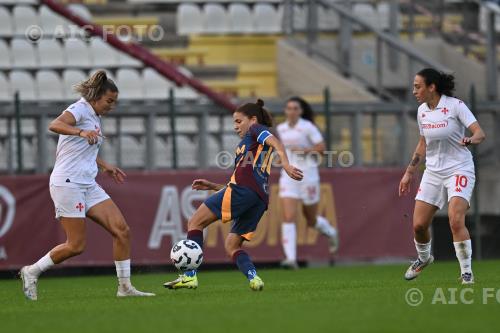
[42, 144]
[344, 47]
[326, 105]
[10, 148]
[173, 132]
[203, 140]
[150, 140]
[476, 214]
[17, 106]
[312, 24]
[394, 30]
[356, 138]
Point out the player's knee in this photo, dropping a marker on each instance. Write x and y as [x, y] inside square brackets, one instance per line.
[419, 228]
[76, 247]
[457, 222]
[230, 248]
[122, 231]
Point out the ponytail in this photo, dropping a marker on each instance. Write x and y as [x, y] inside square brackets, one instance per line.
[257, 110]
[95, 86]
[445, 83]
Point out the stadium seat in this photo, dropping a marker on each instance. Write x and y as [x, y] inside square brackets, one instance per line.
[215, 20]
[24, 17]
[124, 60]
[49, 86]
[51, 23]
[163, 153]
[155, 85]
[23, 54]
[185, 92]
[230, 141]
[133, 152]
[103, 55]
[328, 20]
[77, 53]
[267, 19]
[6, 25]
[5, 59]
[23, 82]
[70, 78]
[5, 94]
[17, 2]
[189, 19]
[51, 54]
[213, 150]
[130, 84]
[240, 18]
[81, 11]
[368, 13]
[187, 152]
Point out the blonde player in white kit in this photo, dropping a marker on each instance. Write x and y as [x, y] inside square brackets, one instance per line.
[304, 145]
[449, 174]
[73, 188]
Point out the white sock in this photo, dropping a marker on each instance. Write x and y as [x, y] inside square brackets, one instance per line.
[289, 240]
[324, 227]
[464, 255]
[423, 250]
[41, 265]
[123, 272]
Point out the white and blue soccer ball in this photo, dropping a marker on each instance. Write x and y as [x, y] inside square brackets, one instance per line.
[186, 255]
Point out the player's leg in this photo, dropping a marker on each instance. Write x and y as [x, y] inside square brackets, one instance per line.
[422, 219]
[241, 258]
[109, 216]
[321, 224]
[460, 187]
[74, 245]
[202, 218]
[289, 231]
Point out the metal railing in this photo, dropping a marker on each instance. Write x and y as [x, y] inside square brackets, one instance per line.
[342, 42]
[169, 135]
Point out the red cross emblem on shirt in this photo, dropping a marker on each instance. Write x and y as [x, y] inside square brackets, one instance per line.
[80, 206]
[445, 111]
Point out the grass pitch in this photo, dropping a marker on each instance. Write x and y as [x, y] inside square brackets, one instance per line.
[341, 299]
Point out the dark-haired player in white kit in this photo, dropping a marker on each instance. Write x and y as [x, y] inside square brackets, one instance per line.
[449, 173]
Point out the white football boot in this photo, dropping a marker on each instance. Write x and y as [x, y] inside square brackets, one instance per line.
[416, 268]
[29, 283]
[130, 291]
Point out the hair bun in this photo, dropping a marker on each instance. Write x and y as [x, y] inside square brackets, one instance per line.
[260, 103]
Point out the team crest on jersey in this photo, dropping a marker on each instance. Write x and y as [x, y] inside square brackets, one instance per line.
[240, 150]
[445, 111]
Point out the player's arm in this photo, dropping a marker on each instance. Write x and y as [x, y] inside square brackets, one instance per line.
[292, 171]
[114, 172]
[206, 185]
[66, 124]
[317, 148]
[417, 158]
[477, 137]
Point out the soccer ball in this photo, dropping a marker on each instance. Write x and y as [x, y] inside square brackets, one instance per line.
[186, 255]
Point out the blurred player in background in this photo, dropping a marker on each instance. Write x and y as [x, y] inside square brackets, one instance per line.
[449, 173]
[245, 198]
[73, 188]
[304, 144]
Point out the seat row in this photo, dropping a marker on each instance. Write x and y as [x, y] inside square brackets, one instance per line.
[49, 85]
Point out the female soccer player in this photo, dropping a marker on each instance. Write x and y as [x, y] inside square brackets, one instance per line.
[73, 188]
[302, 141]
[245, 198]
[449, 172]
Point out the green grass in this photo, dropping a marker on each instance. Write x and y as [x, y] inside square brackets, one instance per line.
[342, 299]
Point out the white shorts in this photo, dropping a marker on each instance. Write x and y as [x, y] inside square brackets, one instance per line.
[76, 201]
[306, 190]
[435, 189]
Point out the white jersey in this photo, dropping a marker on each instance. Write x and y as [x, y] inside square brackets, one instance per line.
[75, 158]
[303, 135]
[443, 129]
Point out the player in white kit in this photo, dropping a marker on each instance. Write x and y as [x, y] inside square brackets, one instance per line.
[304, 145]
[73, 188]
[449, 174]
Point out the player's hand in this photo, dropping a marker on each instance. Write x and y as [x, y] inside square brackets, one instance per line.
[202, 185]
[293, 172]
[92, 137]
[114, 172]
[404, 184]
[466, 141]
